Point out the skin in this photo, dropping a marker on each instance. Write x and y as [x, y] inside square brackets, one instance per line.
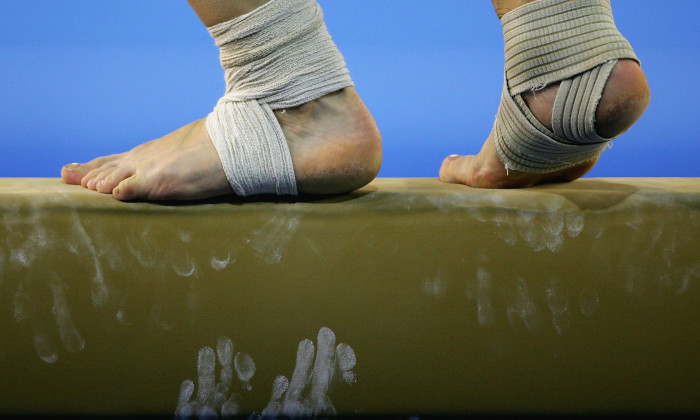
[625, 98]
[334, 143]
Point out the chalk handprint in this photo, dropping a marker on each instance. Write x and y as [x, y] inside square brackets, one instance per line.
[307, 393]
[213, 398]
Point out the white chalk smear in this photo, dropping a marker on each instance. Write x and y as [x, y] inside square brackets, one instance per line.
[505, 228]
[142, 247]
[122, 317]
[206, 363]
[25, 310]
[523, 307]
[231, 407]
[271, 240]
[687, 277]
[32, 241]
[552, 230]
[224, 354]
[484, 307]
[435, 286]
[245, 368]
[185, 407]
[44, 347]
[558, 304]
[574, 223]
[220, 263]
[70, 337]
[183, 267]
[22, 256]
[346, 362]
[530, 230]
[279, 387]
[185, 236]
[293, 405]
[19, 304]
[561, 322]
[99, 292]
[324, 367]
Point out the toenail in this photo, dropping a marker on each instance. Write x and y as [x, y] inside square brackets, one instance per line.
[72, 166]
[452, 157]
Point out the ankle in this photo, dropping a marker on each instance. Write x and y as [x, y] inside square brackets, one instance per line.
[625, 98]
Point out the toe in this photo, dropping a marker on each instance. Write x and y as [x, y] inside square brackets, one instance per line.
[72, 173]
[101, 186]
[454, 169]
[127, 189]
[107, 183]
[88, 182]
[95, 176]
[75, 173]
[90, 179]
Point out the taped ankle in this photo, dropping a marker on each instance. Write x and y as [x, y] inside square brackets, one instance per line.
[278, 56]
[547, 41]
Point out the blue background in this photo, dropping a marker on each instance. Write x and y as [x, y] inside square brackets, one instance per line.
[81, 79]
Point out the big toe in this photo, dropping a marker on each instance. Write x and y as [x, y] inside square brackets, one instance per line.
[73, 173]
[453, 168]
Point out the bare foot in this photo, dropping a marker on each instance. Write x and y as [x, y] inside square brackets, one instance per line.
[334, 143]
[625, 98]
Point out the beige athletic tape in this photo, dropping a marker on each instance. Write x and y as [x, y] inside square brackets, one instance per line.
[278, 56]
[546, 41]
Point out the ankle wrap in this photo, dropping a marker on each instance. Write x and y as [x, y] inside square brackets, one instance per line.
[572, 41]
[278, 56]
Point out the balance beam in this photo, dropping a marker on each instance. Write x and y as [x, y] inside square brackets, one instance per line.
[408, 297]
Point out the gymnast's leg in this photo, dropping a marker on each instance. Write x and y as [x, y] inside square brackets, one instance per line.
[333, 141]
[624, 99]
